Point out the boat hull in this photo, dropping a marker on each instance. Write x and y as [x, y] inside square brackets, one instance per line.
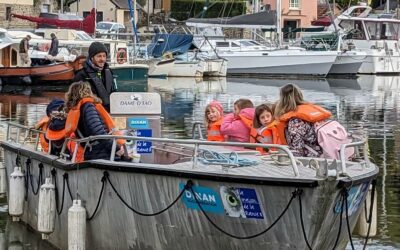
[348, 63]
[130, 72]
[187, 69]
[281, 63]
[183, 225]
[215, 67]
[60, 72]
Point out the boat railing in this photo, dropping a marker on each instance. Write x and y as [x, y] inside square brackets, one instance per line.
[197, 130]
[21, 134]
[342, 153]
[195, 143]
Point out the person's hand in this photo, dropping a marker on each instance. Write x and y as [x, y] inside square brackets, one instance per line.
[120, 152]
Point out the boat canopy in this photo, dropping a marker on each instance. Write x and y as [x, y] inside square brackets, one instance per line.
[259, 20]
[86, 25]
[174, 43]
[323, 21]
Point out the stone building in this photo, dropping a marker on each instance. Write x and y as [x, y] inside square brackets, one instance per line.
[24, 7]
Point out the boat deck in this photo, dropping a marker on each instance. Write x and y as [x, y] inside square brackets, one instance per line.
[265, 167]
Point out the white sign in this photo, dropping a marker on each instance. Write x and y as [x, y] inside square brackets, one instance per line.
[135, 103]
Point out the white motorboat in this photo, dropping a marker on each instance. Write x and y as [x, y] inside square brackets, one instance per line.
[377, 35]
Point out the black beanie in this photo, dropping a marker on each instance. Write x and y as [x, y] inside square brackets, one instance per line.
[95, 48]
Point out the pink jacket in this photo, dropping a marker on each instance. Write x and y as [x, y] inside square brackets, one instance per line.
[235, 129]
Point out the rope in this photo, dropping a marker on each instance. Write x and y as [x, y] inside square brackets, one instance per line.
[244, 237]
[29, 177]
[69, 189]
[187, 186]
[300, 192]
[346, 194]
[371, 209]
[340, 223]
[54, 174]
[211, 158]
[103, 180]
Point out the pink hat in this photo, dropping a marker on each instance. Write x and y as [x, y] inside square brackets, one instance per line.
[217, 105]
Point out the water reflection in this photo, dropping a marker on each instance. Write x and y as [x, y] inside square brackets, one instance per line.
[368, 102]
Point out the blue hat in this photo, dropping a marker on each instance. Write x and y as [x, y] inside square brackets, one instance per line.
[54, 105]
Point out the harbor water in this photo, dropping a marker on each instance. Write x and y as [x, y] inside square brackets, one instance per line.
[369, 103]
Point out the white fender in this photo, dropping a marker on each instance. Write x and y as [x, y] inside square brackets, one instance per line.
[76, 226]
[362, 224]
[46, 209]
[16, 194]
[3, 181]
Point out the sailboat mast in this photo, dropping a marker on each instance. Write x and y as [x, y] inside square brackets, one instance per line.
[133, 19]
[278, 22]
[387, 6]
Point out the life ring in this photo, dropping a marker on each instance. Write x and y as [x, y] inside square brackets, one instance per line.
[121, 56]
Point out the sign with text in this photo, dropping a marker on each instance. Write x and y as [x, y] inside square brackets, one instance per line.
[138, 123]
[208, 199]
[241, 202]
[144, 147]
[135, 103]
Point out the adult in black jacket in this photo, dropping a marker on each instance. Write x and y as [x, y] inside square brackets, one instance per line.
[53, 51]
[97, 72]
[90, 121]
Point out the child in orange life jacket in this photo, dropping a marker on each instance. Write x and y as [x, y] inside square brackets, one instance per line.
[296, 118]
[213, 118]
[261, 131]
[49, 124]
[237, 125]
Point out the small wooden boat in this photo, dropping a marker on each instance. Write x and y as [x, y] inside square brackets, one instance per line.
[12, 73]
[194, 194]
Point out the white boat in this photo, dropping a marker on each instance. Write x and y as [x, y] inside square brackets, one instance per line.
[192, 68]
[246, 56]
[378, 36]
[217, 67]
[178, 193]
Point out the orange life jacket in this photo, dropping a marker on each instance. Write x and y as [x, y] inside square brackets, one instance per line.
[71, 125]
[267, 135]
[214, 132]
[43, 124]
[248, 122]
[306, 112]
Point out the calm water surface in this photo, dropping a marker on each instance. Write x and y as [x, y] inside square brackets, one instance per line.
[370, 103]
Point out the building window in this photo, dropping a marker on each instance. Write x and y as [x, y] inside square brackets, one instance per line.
[45, 8]
[8, 13]
[294, 4]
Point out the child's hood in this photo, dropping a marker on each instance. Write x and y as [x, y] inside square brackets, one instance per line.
[247, 113]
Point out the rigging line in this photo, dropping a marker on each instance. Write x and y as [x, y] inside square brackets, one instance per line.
[229, 12]
[191, 7]
[223, 10]
[294, 193]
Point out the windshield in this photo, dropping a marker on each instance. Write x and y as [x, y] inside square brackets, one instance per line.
[83, 36]
[104, 26]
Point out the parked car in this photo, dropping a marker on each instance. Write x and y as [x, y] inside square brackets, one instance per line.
[104, 28]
